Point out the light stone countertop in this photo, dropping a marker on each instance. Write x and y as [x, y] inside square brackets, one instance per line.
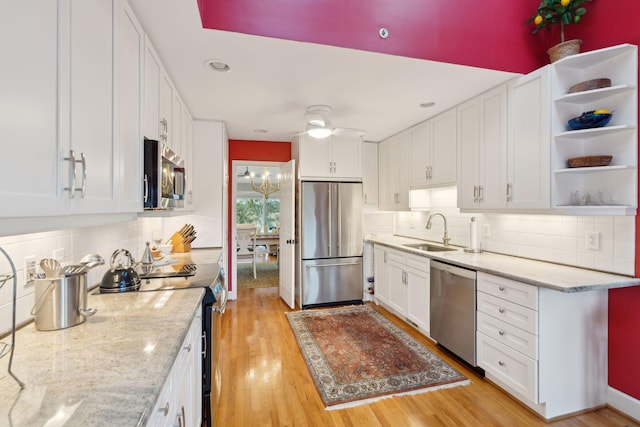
[107, 371]
[538, 273]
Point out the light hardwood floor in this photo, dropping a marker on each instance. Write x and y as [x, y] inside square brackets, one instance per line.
[266, 383]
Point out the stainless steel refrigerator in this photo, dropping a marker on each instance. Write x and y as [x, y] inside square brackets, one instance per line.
[329, 264]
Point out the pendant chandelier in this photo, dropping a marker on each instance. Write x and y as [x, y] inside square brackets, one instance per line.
[266, 188]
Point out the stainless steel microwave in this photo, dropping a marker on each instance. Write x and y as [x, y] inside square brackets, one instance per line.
[164, 177]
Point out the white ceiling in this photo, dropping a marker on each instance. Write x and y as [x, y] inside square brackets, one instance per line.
[272, 81]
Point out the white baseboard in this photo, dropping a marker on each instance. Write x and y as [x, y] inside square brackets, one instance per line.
[623, 403]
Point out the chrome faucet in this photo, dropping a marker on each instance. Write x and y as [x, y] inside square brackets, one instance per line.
[446, 237]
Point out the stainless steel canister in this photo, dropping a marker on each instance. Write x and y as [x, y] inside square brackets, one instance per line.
[61, 303]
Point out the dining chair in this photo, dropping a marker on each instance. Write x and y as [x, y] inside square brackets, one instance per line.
[246, 241]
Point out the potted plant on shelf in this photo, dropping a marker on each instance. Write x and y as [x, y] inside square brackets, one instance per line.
[563, 12]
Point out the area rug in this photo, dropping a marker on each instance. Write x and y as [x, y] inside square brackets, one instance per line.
[267, 275]
[356, 356]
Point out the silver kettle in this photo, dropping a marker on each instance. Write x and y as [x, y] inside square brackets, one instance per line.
[122, 276]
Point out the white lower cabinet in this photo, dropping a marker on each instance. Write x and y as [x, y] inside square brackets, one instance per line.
[402, 285]
[546, 348]
[180, 401]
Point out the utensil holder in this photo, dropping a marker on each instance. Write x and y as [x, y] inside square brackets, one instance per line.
[178, 244]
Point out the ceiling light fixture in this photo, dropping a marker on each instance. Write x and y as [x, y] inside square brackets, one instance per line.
[318, 132]
[217, 65]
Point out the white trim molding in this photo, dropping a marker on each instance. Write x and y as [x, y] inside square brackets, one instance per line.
[623, 403]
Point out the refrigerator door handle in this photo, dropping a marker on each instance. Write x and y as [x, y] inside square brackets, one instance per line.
[339, 219]
[337, 264]
[329, 225]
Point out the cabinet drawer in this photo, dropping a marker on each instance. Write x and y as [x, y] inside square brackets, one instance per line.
[517, 292]
[418, 262]
[509, 335]
[513, 314]
[514, 369]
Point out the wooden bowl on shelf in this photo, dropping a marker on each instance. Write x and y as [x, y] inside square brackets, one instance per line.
[589, 161]
[590, 85]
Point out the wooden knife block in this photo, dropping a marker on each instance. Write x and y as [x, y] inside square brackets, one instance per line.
[178, 245]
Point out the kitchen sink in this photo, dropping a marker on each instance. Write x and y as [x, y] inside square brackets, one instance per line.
[429, 247]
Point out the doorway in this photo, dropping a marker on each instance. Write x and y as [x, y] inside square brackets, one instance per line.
[256, 201]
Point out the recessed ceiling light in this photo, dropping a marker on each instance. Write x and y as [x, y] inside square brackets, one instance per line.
[217, 65]
[427, 104]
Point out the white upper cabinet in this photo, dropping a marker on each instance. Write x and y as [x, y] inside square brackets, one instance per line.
[151, 114]
[28, 111]
[370, 174]
[528, 143]
[86, 108]
[599, 190]
[433, 151]
[393, 158]
[335, 157]
[482, 151]
[128, 81]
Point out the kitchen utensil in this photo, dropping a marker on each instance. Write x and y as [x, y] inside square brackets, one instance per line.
[93, 259]
[61, 302]
[121, 277]
[183, 230]
[51, 267]
[72, 270]
[588, 120]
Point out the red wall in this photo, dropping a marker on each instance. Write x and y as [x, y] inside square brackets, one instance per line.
[483, 34]
[264, 151]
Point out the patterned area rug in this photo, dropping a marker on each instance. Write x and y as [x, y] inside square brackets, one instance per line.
[355, 356]
[267, 275]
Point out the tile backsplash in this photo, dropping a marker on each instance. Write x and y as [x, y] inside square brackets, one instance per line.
[76, 243]
[554, 238]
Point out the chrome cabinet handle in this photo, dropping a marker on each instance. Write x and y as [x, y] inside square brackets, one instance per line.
[501, 288]
[83, 187]
[509, 188]
[204, 345]
[501, 363]
[480, 193]
[72, 173]
[501, 310]
[146, 187]
[501, 333]
[188, 348]
[475, 194]
[165, 409]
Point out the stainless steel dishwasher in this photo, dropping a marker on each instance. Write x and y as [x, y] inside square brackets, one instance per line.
[453, 309]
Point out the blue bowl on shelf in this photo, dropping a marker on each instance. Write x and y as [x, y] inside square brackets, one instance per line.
[589, 120]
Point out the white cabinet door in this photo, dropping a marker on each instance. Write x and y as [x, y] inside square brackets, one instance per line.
[165, 106]
[152, 70]
[346, 154]
[370, 174]
[314, 157]
[418, 293]
[444, 149]
[421, 154]
[28, 111]
[128, 66]
[397, 283]
[469, 153]
[493, 157]
[482, 153]
[381, 274]
[398, 148]
[176, 124]
[89, 92]
[383, 175]
[529, 142]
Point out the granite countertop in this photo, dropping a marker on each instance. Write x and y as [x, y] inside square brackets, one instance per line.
[538, 273]
[107, 371]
